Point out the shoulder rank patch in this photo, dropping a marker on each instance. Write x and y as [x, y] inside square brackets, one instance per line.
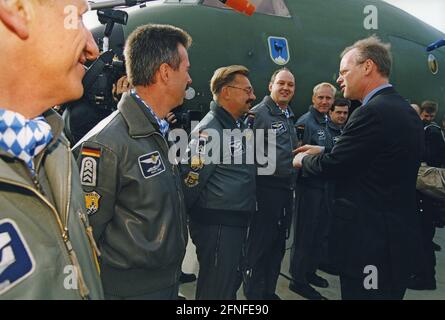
[92, 202]
[192, 179]
[89, 166]
[16, 262]
[151, 164]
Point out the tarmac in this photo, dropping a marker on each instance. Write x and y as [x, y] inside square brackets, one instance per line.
[333, 291]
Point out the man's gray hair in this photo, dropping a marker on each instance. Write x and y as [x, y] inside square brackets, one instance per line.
[373, 48]
[148, 47]
[322, 85]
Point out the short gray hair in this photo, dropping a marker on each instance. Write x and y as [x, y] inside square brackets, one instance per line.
[325, 84]
[373, 48]
[148, 47]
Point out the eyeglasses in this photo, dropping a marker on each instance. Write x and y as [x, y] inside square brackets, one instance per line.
[246, 90]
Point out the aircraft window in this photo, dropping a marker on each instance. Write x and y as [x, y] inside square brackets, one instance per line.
[270, 7]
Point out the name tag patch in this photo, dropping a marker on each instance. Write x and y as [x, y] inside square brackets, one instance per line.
[16, 260]
[151, 164]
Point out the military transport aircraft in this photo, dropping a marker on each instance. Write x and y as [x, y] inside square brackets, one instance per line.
[306, 36]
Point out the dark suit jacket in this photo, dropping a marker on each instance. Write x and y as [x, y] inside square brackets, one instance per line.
[375, 164]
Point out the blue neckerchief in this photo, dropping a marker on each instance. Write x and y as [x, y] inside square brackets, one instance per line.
[286, 113]
[23, 138]
[373, 92]
[163, 124]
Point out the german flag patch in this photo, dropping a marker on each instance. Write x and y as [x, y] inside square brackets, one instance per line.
[89, 152]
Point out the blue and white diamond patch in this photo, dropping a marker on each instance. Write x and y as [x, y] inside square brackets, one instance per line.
[21, 137]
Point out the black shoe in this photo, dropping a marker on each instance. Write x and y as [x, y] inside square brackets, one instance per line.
[421, 283]
[316, 280]
[436, 247]
[187, 277]
[271, 296]
[306, 291]
[328, 268]
[181, 297]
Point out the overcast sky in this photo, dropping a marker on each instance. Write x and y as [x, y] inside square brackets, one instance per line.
[430, 11]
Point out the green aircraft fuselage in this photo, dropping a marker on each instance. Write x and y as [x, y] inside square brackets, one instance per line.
[317, 31]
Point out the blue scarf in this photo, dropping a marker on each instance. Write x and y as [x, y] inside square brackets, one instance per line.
[163, 124]
[23, 138]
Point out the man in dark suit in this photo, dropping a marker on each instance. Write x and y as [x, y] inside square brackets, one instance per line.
[374, 234]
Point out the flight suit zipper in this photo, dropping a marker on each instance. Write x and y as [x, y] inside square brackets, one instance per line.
[174, 168]
[81, 281]
[290, 128]
[218, 240]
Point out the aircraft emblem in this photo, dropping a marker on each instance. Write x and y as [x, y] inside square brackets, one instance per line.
[279, 127]
[151, 164]
[279, 50]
